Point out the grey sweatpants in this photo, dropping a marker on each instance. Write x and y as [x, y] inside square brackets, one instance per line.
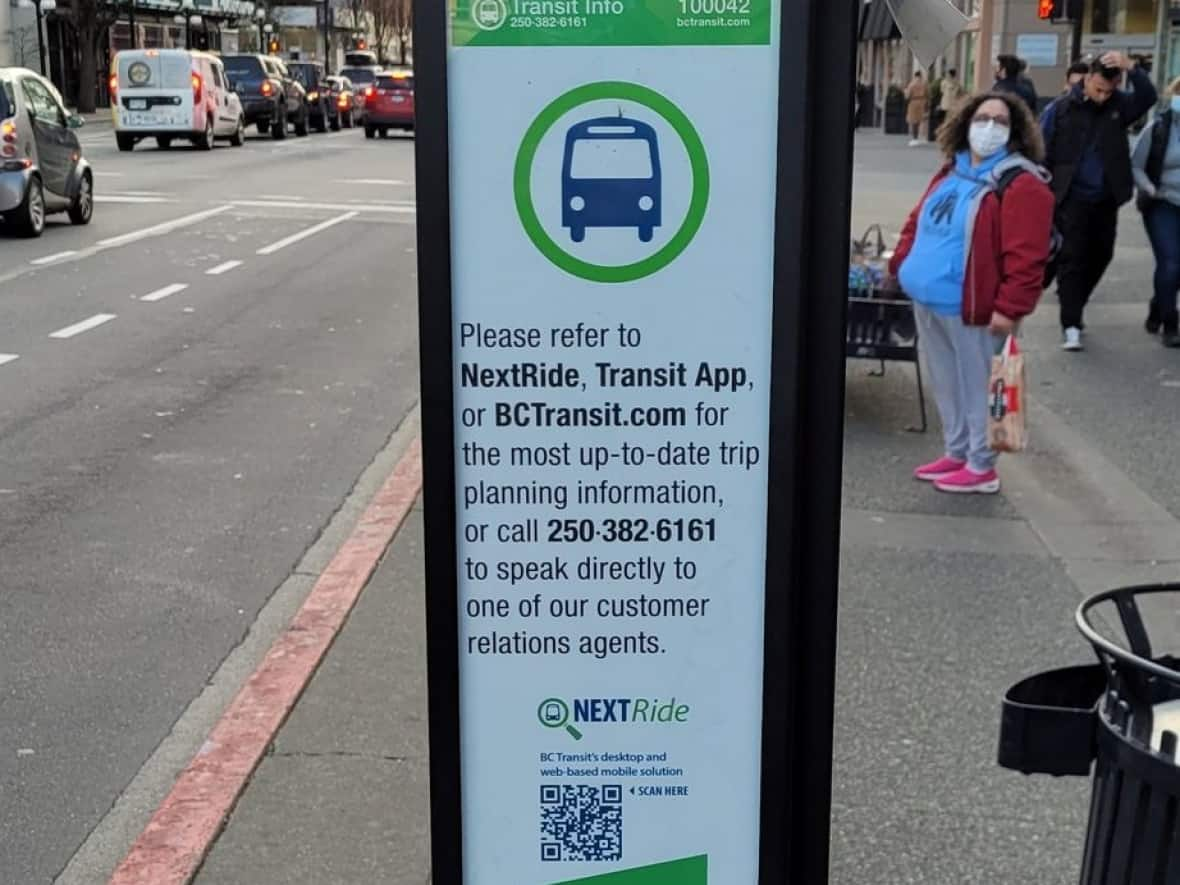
[958, 362]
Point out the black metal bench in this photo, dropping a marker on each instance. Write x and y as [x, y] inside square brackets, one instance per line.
[876, 327]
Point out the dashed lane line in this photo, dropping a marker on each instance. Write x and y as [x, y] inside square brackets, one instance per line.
[163, 228]
[8, 358]
[56, 256]
[307, 232]
[391, 208]
[161, 294]
[224, 267]
[85, 326]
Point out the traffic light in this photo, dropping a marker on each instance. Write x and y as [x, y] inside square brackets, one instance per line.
[1049, 9]
[361, 45]
[273, 46]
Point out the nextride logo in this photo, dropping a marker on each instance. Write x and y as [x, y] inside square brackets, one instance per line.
[557, 713]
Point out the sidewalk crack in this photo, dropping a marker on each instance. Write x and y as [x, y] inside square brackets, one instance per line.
[338, 754]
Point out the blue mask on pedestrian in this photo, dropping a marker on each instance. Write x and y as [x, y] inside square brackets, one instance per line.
[1176, 104]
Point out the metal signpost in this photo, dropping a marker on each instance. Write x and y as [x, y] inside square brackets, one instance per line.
[632, 238]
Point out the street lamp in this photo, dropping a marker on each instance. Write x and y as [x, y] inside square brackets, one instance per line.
[260, 17]
[187, 7]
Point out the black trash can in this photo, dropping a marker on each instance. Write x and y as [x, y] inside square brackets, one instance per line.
[1123, 715]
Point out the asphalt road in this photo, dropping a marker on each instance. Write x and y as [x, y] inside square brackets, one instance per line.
[189, 388]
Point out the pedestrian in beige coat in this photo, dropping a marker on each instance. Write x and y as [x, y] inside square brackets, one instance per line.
[915, 111]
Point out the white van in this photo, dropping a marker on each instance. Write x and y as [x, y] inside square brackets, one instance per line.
[173, 93]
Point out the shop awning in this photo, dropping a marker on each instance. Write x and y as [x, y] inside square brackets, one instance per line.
[876, 22]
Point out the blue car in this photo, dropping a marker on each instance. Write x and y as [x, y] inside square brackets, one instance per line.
[610, 177]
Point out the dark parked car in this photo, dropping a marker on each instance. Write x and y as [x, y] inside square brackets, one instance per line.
[271, 97]
[310, 75]
[361, 79]
[389, 103]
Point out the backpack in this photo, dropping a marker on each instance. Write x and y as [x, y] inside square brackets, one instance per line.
[1055, 238]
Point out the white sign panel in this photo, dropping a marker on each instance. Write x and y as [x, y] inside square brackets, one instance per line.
[613, 188]
[1039, 50]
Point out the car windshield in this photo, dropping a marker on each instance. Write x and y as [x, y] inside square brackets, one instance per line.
[242, 68]
[360, 76]
[386, 82]
[7, 102]
[308, 75]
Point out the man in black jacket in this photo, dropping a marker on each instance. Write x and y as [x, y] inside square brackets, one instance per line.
[1010, 78]
[1087, 150]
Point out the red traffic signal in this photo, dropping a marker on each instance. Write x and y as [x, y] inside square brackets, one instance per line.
[1047, 9]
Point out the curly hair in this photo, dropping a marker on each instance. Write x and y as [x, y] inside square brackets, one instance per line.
[1026, 134]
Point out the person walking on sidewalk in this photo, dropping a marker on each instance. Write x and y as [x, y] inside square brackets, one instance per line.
[1087, 151]
[972, 257]
[915, 110]
[1010, 78]
[1156, 167]
[951, 92]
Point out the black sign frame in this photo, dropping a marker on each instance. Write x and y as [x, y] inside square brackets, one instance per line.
[813, 205]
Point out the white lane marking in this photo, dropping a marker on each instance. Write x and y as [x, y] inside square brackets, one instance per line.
[8, 357]
[108, 174]
[141, 194]
[56, 256]
[126, 198]
[161, 294]
[390, 182]
[395, 208]
[85, 326]
[281, 197]
[222, 268]
[304, 234]
[162, 228]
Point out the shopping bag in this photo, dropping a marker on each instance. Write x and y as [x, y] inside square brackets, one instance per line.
[1006, 429]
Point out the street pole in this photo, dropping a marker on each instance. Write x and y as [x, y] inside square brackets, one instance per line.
[131, 23]
[327, 37]
[1163, 34]
[40, 36]
[983, 55]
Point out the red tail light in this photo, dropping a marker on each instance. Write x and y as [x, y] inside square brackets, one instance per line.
[342, 101]
[370, 95]
[267, 88]
[196, 88]
[113, 85]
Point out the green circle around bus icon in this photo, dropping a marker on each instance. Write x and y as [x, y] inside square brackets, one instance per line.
[555, 713]
[698, 202]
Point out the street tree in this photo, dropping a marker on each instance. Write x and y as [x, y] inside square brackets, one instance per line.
[89, 21]
[391, 22]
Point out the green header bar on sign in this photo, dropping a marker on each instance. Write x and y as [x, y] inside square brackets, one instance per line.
[610, 22]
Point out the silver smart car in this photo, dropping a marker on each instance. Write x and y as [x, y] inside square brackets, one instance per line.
[42, 170]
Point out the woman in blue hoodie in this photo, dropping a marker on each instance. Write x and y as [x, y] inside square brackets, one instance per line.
[972, 257]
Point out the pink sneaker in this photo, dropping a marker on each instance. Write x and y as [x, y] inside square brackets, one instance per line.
[936, 470]
[968, 482]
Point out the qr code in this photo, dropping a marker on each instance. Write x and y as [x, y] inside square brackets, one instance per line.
[580, 823]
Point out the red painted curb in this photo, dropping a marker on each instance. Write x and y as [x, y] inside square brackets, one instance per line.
[180, 833]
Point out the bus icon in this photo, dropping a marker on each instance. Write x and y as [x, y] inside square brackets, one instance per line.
[610, 177]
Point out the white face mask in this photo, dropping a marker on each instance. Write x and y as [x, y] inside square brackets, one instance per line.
[987, 138]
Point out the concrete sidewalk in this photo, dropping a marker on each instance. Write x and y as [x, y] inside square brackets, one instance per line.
[945, 602]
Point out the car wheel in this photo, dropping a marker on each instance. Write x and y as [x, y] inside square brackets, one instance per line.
[204, 142]
[348, 121]
[321, 123]
[29, 218]
[239, 137]
[82, 209]
[264, 129]
[279, 129]
[125, 141]
[163, 142]
[335, 124]
[301, 123]
[370, 132]
[384, 131]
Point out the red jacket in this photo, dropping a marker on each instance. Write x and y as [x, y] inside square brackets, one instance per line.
[1009, 249]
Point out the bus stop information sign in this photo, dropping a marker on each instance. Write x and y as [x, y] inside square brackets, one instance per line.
[598, 582]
